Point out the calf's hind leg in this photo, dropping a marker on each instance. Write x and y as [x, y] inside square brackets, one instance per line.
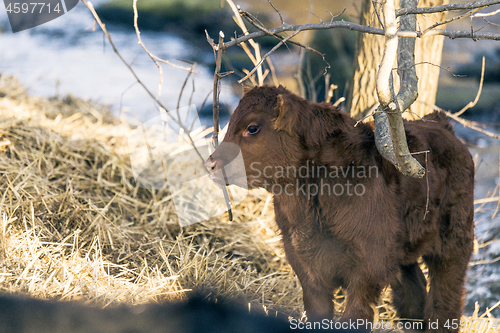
[443, 307]
[447, 269]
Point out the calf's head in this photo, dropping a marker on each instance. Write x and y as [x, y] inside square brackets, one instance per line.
[273, 128]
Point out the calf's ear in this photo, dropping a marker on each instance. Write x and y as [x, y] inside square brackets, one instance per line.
[288, 115]
[299, 117]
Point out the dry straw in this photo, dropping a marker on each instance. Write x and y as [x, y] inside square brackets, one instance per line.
[76, 225]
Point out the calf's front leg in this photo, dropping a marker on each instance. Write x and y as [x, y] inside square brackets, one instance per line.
[362, 296]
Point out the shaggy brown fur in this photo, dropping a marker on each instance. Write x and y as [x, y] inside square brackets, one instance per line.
[361, 231]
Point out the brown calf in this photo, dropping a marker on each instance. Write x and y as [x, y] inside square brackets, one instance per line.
[348, 218]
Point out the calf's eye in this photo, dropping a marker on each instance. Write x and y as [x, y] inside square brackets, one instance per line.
[251, 130]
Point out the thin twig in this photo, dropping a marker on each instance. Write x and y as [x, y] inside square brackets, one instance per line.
[273, 72]
[277, 11]
[335, 16]
[489, 22]
[440, 67]
[216, 87]
[443, 8]
[486, 200]
[427, 183]
[328, 88]
[484, 262]
[486, 14]
[488, 243]
[268, 54]
[319, 18]
[369, 113]
[138, 33]
[120, 107]
[108, 36]
[256, 46]
[199, 111]
[498, 202]
[257, 24]
[253, 21]
[450, 20]
[337, 102]
[215, 108]
[182, 89]
[467, 123]
[153, 57]
[473, 103]
[417, 153]
[193, 89]
[378, 16]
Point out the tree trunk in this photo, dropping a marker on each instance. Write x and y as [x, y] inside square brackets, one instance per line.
[362, 93]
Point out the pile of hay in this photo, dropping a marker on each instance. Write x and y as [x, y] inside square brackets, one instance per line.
[76, 225]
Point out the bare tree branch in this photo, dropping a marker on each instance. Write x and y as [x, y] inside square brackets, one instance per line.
[384, 75]
[390, 136]
[302, 27]
[452, 34]
[443, 8]
[486, 14]
[483, 15]
[408, 91]
[218, 49]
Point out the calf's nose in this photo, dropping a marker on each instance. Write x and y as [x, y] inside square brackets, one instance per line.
[210, 164]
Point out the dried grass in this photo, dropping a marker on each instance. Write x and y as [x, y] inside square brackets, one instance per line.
[76, 225]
